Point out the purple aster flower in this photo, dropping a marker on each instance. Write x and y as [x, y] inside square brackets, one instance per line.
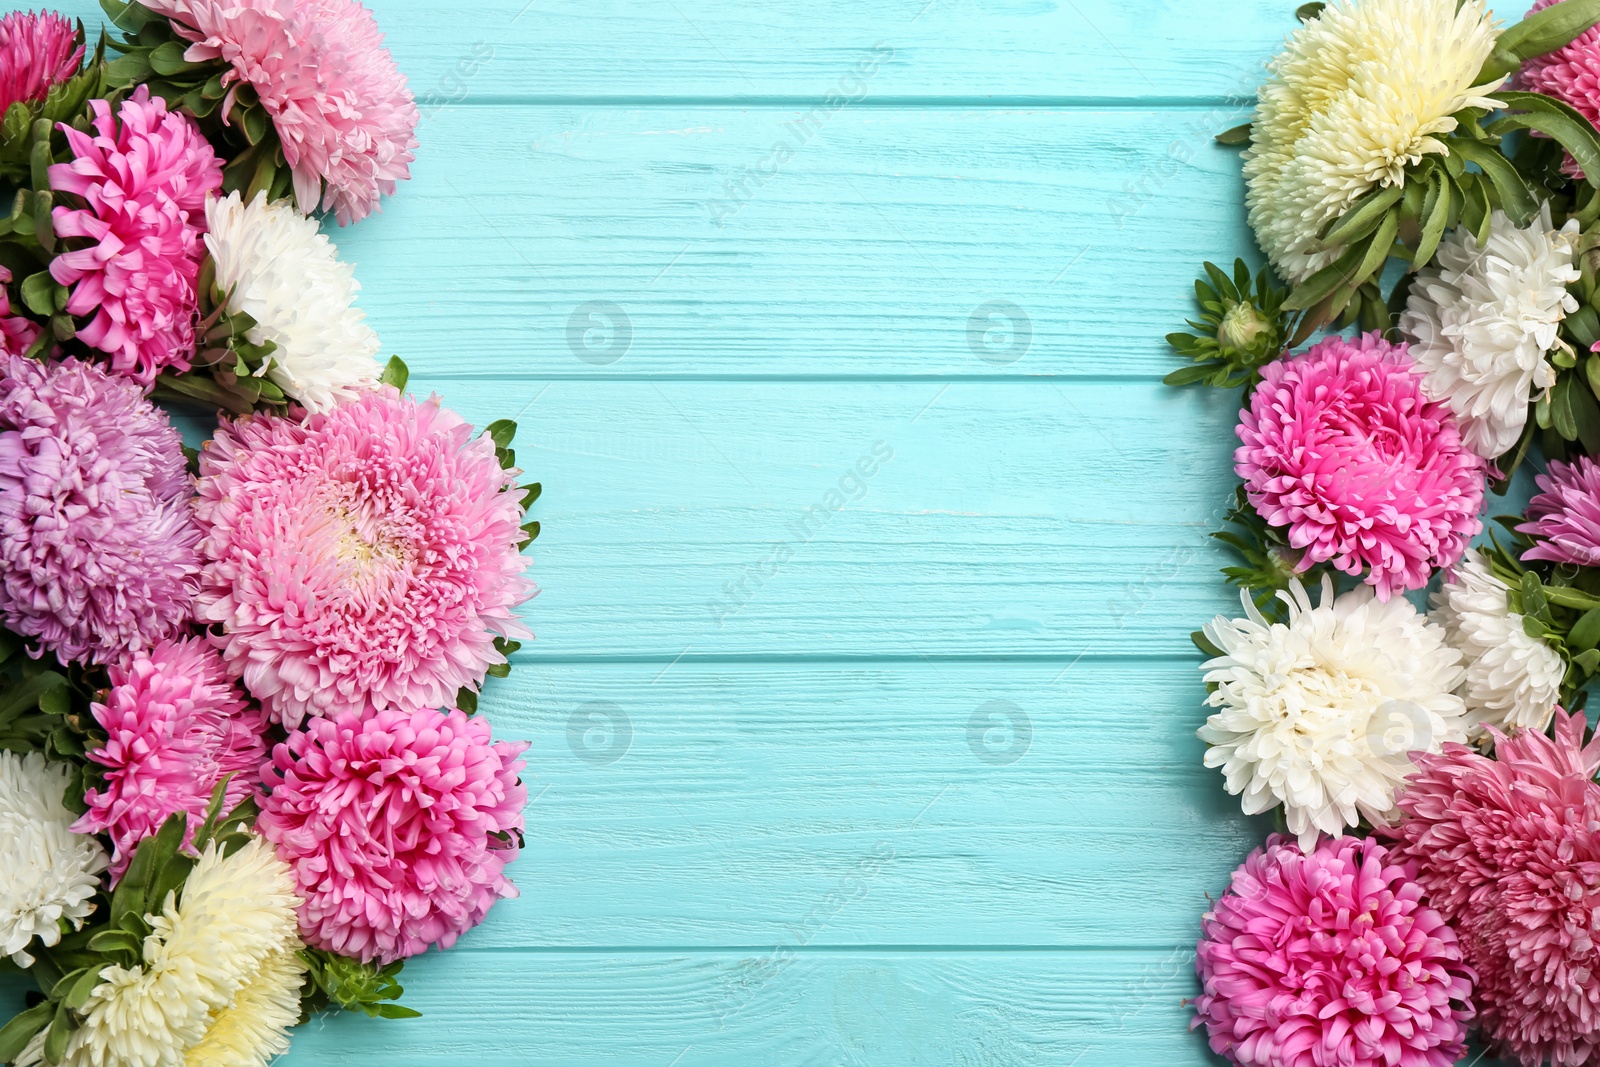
[1565, 516]
[97, 535]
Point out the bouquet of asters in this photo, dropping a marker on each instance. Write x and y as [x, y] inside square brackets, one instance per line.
[1424, 182]
[241, 777]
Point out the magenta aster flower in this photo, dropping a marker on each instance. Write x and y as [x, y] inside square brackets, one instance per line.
[143, 180]
[36, 52]
[1343, 448]
[1565, 514]
[364, 558]
[175, 727]
[341, 108]
[1508, 850]
[97, 540]
[1330, 958]
[398, 825]
[17, 334]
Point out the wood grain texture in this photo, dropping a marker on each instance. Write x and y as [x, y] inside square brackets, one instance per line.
[705, 241]
[927, 803]
[741, 49]
[832, 767]
[860, 519]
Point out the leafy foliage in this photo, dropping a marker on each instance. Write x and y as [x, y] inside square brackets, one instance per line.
[340, 982]
[231, 115]
[1242, 327]
[1559, 603]
[1266, 562]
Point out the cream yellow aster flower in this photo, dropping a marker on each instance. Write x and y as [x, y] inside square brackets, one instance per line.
[220, 980]
[1360, 93]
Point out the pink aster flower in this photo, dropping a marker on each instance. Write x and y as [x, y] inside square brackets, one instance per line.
[36, 52]
[17, 334]
[398, 825]
[1343, 448]
[97, 539]
[143, 180]
[1508, 850]
[175, 727]
[1330, 958]
[1571, 74]
[341, 108]
[1565, 514]
[364, 558]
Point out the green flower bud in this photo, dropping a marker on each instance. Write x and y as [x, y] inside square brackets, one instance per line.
[1242, 328]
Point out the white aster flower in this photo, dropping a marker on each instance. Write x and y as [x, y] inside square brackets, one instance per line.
[47, 872]
[1320, 714]
[1480, 321]
[214, 959]
[286, 274]
[1513, 680]
[255, 1027]
[1360, 93]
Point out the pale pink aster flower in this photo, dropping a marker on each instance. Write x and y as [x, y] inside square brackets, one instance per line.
[36, 52]
[175, 727]
[1344, 450]
[340, 105]
[398, 825]
[144, 178]
[1565, 514]
[1330, 958]
[97, 539]
[366, 557]
[1508, 850]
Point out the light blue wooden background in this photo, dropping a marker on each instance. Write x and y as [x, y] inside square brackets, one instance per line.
[817, 847]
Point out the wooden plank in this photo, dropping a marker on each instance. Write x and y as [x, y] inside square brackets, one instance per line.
[874, 804]
[683, 241]
[763, 519]
[940, 49]
[757, 1006]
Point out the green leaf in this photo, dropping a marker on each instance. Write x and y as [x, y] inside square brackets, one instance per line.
[1585, 633]
[1321, 285]
[398, 1011]
[38, 293]
[61, 1027]
[26, 696]
[1562, 419]
[16, 1034]
[1588, 661]
[531, 532]
[1516, 200]
[256, 123]
[1555, 119]
[131, 69]
[1585, 413]
[395, 373]
[1534, 602]
[1565, 597]
[1539, 33]
[501, 431]
[1363, 216]
[1237, 136]
[1437, 217]
[467, 700]
[114, 940]
[1307, 12]
[1190, 375]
